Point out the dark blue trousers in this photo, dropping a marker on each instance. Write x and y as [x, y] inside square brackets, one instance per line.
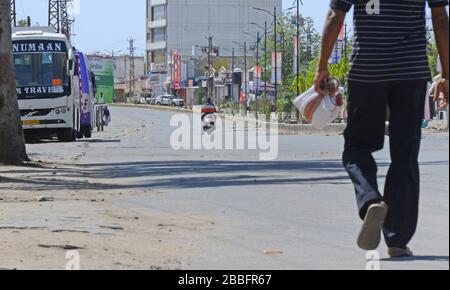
[369, 104]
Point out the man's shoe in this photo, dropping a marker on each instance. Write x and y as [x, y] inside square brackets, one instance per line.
[370, 236]
[398, 253]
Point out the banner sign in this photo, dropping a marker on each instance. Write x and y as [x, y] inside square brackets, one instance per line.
[38, 46]
[277, 63]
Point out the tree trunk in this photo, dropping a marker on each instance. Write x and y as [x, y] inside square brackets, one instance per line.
[12, 145]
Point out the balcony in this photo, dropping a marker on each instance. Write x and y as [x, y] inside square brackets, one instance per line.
[156, 45]
[158, 2]
[157, 23]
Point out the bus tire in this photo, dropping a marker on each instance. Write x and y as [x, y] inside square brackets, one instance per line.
[87, 132]
[67, 135]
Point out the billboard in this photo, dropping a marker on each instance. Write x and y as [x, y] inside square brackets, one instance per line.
[176, 71]
[103, 68]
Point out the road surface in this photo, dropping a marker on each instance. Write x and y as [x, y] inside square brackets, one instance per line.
[127, 200]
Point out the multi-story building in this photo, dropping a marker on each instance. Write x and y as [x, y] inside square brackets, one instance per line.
[122, 80]
[183, 26]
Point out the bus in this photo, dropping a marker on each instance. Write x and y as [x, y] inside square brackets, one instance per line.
[87, 96]
[48, 87]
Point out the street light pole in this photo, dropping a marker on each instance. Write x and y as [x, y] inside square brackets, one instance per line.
[246, 77]
[245, 71]
[275, 22]
[258, 77]
[257, 83]
[232, 75]
[276, 54]
[265, 65]
[298, 47]
[265, 57]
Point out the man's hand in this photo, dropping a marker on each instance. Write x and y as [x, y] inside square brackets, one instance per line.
[320, 80]
[441, 93]
[333, 26]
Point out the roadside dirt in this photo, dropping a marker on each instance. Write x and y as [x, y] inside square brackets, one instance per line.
[47, 210]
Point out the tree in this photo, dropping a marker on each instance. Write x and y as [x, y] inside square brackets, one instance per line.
[433, 57]
[12, 145]
[22, 23]
[310, 41]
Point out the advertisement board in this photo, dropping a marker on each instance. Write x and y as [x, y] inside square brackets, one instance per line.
[103, 68]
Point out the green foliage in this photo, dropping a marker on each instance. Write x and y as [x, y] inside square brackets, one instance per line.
[433, 57]
[340, 70]
[22, 23]
[306, 78]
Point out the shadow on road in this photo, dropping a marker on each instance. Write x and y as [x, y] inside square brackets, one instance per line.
[418, 258]
[181, 174]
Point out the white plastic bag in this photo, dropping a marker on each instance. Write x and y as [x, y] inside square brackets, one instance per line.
[320, 110]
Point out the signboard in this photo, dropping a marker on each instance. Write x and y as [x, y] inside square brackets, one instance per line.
[40, 68]
[103, 68]
[296, 51]
[277, 63]
[36, 46]
[176, 71]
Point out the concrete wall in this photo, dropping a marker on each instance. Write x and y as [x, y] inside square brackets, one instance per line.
[122, 68]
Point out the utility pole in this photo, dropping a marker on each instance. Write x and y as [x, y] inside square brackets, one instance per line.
[275, 49]
[66, 22]
[258, 77]
[297, 44]
[233, 64]
[265, 66]
[59, 16]
[54, 19]
[13, 13]
[246, 77]
[264, 74]
[210, 70]
[132, 75]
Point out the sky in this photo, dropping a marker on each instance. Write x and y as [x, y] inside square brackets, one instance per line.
[105, 25]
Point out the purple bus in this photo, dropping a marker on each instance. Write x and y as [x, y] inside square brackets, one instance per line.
[87, 96]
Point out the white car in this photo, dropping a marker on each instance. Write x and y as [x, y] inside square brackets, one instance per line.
[169, 100]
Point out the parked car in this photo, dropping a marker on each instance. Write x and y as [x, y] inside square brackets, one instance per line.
[169, 100]
[151, 100]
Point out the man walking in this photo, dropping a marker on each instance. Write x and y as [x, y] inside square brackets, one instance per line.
[389, 69]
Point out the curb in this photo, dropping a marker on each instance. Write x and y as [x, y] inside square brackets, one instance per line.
[284, 128]
[151, 107]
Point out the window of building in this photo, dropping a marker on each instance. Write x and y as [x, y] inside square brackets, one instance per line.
[159, 57]
[158, 12]
[159, 34]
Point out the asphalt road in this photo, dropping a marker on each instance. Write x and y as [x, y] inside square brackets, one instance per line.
[302, 203]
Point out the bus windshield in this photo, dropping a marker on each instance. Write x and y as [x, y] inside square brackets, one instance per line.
[41, 74]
